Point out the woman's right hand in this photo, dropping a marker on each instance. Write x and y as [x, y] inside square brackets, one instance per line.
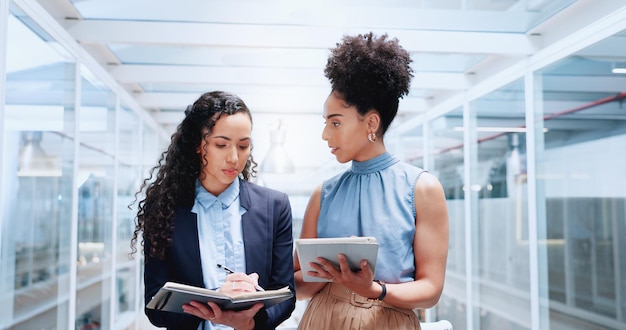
[238, 283]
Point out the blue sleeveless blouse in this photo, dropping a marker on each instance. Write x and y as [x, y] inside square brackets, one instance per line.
[375, 198]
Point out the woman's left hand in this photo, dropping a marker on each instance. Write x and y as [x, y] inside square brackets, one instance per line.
[359, 281]
[211, 311]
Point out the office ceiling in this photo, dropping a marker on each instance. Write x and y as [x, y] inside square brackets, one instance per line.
[272, 53]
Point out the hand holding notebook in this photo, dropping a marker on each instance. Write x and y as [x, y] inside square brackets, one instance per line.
[172, 296]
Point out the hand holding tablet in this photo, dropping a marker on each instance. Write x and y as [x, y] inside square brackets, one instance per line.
[354, 248]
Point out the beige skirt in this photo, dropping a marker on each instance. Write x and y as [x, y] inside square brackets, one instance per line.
[336, 307]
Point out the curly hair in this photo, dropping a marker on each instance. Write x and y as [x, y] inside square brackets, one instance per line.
[178, 168]
[371, 73]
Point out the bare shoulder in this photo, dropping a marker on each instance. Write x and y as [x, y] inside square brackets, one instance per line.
[311, 213]
[317, 193]
[313, 206]
[428, 184]
[430, 200]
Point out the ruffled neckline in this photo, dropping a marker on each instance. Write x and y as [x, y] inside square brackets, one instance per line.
[375, 164]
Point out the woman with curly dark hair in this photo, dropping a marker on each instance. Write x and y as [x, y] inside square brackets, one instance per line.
[401, 205]
[201, 211]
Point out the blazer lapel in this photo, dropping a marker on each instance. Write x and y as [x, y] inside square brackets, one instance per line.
[255, 233]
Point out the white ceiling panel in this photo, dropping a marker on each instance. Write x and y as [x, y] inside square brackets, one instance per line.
[272, 53]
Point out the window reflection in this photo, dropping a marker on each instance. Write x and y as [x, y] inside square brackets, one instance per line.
[579, 138]
[584, 192]
[43, 249]
[96, 175]
[38, 149]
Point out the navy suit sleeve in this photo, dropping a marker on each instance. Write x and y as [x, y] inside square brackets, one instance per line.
[181, 264]
[156, 273]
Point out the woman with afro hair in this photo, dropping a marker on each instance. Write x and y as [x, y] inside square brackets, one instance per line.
[201, 211]
[401, 205]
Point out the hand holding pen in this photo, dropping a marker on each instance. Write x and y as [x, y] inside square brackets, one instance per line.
[251, 279]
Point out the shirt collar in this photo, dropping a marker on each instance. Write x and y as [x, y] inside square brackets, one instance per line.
[226, 198]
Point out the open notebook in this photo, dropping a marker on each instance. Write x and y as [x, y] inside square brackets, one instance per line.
[355, 249]
[172, 296]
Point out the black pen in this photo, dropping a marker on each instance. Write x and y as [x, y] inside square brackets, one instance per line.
[230, 271]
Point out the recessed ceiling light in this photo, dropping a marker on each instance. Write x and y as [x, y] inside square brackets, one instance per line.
[619, 70]
[497, 129]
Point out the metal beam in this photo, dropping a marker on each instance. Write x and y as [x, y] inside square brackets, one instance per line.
[280, 36]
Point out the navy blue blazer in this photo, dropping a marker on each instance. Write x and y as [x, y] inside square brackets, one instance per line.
[268, 244]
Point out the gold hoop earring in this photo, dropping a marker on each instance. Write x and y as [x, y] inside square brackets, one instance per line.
[371, 137]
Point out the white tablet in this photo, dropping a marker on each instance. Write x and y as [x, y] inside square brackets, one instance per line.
[354, 248]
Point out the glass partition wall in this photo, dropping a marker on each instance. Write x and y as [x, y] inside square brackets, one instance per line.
[580, 172]
[39, 152]
[533, 174]
[499, 228]
[95, 184]
[444, 156]
[73, 157]
[129, 165]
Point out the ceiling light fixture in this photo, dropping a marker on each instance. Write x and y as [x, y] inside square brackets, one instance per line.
[33, 160]
[277, 159]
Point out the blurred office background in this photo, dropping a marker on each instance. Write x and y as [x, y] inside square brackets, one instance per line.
[517, 106]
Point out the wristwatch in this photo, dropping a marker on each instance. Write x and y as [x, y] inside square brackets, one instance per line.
[384, 293]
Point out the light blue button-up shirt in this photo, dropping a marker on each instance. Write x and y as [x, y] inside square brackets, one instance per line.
[220, 236]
